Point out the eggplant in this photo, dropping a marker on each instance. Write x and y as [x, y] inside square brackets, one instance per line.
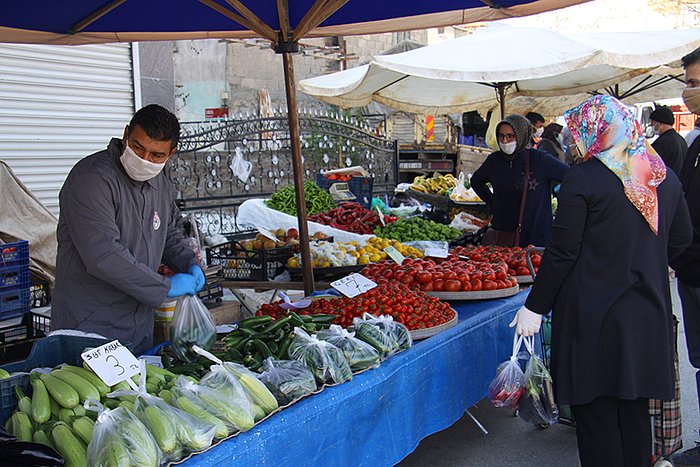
[25, 453]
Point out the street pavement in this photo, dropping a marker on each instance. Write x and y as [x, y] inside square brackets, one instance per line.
[512, 442]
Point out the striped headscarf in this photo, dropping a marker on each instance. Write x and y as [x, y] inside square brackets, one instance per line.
[604, 128]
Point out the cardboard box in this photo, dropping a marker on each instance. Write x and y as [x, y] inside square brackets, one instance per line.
[227, 311]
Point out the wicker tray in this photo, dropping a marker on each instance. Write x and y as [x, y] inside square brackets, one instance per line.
[419, 334]
[525, 279]
[476, 295]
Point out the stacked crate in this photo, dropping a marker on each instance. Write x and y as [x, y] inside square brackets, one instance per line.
[14, 279]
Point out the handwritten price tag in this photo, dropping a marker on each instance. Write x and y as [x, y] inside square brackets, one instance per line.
[353, 285]
[436, 252]
[394, 254]
[112, 362]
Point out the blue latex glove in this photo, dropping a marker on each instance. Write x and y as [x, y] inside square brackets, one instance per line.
[182, 284]
[196, 272]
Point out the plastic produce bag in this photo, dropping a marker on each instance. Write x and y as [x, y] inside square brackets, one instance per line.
[240, 167]
[233, 379]
[325, 360]
[392, 336]
[359, 354]
[537, 405]
[230, 411]
[120, 439]
[460, 191]
[508, 386]
[287, 380]
[175, 431]
[192, 324]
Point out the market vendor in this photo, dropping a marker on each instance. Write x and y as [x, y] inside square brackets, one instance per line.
[505, 171]
[118, 223]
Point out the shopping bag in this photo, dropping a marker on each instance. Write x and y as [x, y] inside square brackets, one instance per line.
[192, 324]
[537, 404]
[508, 386]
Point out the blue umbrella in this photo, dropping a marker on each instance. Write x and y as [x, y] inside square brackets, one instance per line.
[283, 22]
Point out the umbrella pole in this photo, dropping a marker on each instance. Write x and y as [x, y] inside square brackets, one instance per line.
[501, 89]
[298, 168]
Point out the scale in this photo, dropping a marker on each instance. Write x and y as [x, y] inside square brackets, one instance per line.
[341, 192]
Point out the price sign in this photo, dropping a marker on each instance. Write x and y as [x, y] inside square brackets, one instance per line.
[266, 233]
[353, 285]
[381, 215]
[112, 362]
[435, 252]
[394, 254]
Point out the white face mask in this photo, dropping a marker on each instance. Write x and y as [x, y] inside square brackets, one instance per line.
[539, 131]
[508, 148]
[139, 169]
[691, 97]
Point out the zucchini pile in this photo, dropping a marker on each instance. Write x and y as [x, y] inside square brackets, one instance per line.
[180, 414]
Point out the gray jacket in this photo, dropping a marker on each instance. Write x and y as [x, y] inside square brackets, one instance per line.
[113, 234]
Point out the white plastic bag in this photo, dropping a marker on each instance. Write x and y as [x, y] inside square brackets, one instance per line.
[191, 325]
[240, 167]
[176, 432]
[359, 354]
[507, 388]
[460, 191]
[398, 337]
[119, 438]
[325, 360]
[229, 411]
[287, 380]
[537, 405]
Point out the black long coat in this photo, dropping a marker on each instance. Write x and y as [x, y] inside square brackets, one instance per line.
[604, 275]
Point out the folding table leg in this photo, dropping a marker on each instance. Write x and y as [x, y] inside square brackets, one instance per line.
[477, 423]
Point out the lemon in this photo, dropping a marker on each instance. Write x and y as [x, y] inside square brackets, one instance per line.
[314, 263]
[364, 259]
[293, 262]
[362, 251]
[375, 257]
[325, 264]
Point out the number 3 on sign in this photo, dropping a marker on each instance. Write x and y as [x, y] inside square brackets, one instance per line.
[353, 285]
[112, 362]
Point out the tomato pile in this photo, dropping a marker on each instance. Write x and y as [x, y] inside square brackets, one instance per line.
[409, 307]
[447, 275]
[513, 257]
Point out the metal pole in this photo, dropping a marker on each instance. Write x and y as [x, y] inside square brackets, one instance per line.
[502, 99]
[298, 167]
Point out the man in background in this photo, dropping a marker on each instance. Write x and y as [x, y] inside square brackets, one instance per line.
[669, 145]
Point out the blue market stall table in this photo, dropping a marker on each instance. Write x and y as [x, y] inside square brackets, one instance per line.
[381, 415]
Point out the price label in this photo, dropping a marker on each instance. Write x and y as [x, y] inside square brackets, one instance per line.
[394, 254]
[266, 233]
[112, 362]
[353, 285]
[381, 215]
[435, 252]
[152, 360]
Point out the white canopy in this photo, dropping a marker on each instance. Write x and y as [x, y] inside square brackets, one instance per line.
[461, 74]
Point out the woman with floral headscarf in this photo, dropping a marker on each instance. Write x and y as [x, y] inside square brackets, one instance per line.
[621, 218]
[506, 171]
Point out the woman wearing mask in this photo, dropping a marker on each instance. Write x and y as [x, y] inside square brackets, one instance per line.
[551, 141]
[604, 275]
[521, 178]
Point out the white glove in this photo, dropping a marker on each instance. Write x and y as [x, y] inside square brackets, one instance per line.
[527, 322]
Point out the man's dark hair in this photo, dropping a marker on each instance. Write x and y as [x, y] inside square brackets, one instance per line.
[534, 117]
[158, 123]
[692, 57]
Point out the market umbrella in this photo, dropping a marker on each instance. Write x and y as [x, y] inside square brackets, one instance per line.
[283, 22]
[462, 74]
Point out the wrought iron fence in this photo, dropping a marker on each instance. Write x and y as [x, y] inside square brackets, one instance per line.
[207, 186]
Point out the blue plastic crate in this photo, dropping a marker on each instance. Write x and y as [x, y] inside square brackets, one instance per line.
[361, 187]
[14, 301]
[48, 352]
[15, 276]
[14, 253]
